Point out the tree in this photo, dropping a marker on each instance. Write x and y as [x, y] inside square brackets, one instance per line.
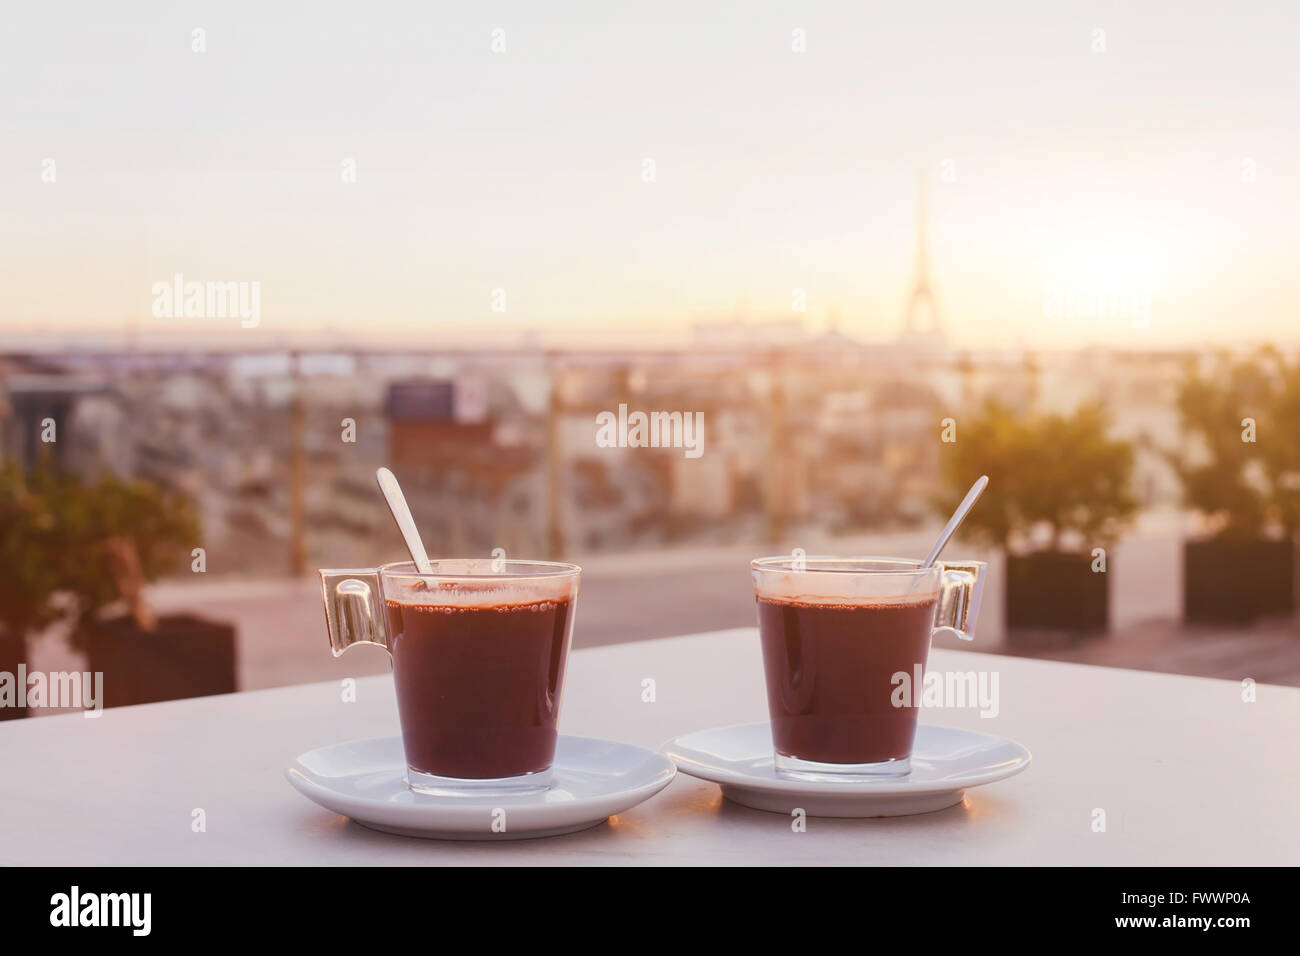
[1051, 476]
[1279, 447]
[29, 536]
[130, 532]
[69, 549]
[1243, 487]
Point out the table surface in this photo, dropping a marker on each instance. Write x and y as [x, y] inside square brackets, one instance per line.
[1184, 769]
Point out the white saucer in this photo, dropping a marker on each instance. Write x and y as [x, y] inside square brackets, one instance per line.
[945, 761]
[366, 780]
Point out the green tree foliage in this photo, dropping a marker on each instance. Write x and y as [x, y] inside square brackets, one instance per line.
[1245, 488]
[1054, 473]
[30, 563]
[72, 548]
[1279, 446]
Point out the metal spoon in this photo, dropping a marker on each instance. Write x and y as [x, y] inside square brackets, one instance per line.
[957, 518]
[402, 515]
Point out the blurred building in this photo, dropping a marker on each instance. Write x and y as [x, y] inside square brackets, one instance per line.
[473, 482]
[48, 414]
[802, 432]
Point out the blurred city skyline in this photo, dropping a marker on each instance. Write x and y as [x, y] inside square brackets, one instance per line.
[1157, 157]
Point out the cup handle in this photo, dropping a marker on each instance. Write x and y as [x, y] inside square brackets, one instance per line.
[353, 613]
[960, 589]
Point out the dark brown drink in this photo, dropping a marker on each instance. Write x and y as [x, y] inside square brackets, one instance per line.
[830, 670]
[478, 688]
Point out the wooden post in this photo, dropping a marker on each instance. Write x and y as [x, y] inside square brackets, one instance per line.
[554, 470]
[297, 474]
[774, 487]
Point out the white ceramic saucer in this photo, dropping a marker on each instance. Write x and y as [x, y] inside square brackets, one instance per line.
[366, 780]
[945, 762]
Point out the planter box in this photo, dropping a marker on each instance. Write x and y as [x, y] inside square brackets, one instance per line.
[1057, 592]
[1237, 580]
[183, 657]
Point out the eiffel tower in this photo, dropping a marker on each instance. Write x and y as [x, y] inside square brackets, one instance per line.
[921, 326]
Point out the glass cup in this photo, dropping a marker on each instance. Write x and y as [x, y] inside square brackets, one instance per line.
[479, 649]
[836, 635]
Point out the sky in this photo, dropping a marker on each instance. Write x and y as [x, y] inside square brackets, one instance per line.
[1072, 151]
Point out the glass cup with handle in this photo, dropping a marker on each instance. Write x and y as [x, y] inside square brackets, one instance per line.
[478, 649]
[844, 640]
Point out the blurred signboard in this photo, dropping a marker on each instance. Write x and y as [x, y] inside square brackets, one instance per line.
[421, 402]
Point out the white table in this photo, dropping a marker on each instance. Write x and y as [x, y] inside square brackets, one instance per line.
[1186, 772]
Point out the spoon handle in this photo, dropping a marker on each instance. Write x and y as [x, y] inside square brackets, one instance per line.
[957, 518]
[402, 515]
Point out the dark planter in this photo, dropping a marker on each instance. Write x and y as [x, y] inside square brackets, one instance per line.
[1236, 580]
[183, 657]
[1057, 592]
[13, 651]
